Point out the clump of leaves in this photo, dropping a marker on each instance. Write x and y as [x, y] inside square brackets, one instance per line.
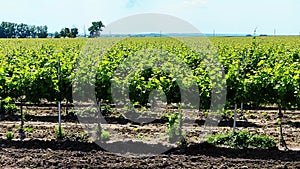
[28, 129]
[264, 113]
[106, 110]
[135, 129]
[174, 127]
[6, 107]
[10, 135]
[105, 135]
[242, 139]
[102, 134]
[59, 132]
[205, 114]
[227, 114]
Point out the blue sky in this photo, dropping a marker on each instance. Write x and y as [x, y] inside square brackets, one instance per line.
[223, 16]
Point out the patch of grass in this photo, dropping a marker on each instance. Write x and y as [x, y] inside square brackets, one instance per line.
[10, 135]
[105, 135]
[28, 129]
[242, 139]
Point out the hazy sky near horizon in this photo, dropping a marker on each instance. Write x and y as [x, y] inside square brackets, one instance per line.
[223, 16]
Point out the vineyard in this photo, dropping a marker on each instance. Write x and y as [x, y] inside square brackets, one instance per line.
[252, 83]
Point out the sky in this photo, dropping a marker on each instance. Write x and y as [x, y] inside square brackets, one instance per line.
[223, 16]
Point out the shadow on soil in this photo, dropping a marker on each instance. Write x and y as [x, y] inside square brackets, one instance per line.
[293, 124]
[140, 148]
[118, 120]
[213, 151]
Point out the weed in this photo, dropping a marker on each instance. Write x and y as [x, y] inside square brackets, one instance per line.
[28, 129]
[105, 135]
[206, 114]
[242, 139]
[135, 129]
[228, 114]
[10, 135]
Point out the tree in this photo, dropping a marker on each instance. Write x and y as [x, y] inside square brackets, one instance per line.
[68, 32]
[9, 29]
[65, 32]
[57, 35]
[12, 30]
[42, 31]
[32, 30]
[22, 31]
[2, 31]
[96, 28]
[74, 32]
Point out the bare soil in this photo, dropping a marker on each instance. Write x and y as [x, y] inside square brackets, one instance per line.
[41, 148]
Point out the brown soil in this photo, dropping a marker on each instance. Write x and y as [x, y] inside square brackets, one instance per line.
[41, 149]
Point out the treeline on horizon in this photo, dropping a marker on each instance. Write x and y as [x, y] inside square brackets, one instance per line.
[15, 30]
